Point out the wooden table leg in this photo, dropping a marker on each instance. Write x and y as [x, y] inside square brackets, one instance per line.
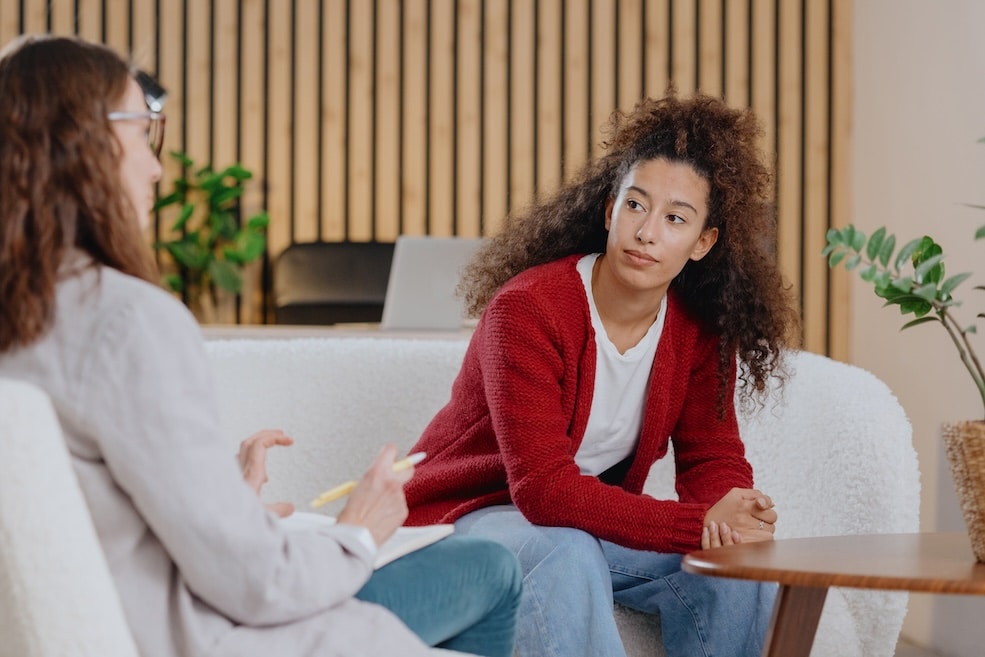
[794, 623]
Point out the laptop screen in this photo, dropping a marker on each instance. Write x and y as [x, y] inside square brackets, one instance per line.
[424, 274]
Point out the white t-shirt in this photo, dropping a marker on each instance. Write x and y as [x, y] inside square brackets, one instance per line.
[621, 380]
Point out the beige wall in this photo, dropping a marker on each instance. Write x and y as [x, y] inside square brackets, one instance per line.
[919, 111]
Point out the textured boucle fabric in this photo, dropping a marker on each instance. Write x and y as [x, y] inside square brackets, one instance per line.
[56, 594]
[835, 451]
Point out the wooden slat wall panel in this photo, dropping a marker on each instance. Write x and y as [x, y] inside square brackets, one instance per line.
[468, 83]
[365, 120]
[840, 171]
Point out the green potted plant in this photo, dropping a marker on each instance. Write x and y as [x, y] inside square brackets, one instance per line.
[913, 279]
[209, 244]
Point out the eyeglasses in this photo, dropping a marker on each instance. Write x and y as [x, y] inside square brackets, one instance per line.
[155, 127]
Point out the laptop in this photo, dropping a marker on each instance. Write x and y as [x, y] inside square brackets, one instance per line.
[424, 273]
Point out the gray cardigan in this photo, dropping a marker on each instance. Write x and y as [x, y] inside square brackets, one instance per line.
[201, 567]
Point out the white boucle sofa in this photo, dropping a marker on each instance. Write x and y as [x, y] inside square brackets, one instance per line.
[835, 452]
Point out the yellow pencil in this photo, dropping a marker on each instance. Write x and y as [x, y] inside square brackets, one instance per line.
[344, 489]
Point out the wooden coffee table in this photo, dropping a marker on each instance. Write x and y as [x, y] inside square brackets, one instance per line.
[806, 567]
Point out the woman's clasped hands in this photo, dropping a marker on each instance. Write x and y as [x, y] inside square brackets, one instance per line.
[743, 515]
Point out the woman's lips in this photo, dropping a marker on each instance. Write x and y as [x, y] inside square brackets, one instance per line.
[639, 256]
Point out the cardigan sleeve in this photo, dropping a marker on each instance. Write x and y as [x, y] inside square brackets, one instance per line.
[531, 370]
[709, 454]
[149, 396]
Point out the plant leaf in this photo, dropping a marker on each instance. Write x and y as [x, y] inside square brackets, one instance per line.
[921, 320]
[853, 262]
[836, 258]
[886, 252]
[226, 276]
[869, 273]
[953, 282]
[904, 254]
[926, 269]
[875, 243]
[926, 292]
[980, 233]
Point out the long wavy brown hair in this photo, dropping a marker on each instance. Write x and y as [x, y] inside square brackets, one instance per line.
[60, 184]
[736, 289]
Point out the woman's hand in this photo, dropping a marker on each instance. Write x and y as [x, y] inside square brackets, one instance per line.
[377, 502]
[744, 515]
[253, 463]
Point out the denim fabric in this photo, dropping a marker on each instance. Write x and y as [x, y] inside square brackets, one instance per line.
[571, 579]
[460, 593]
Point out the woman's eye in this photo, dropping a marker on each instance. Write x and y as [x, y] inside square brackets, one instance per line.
[633, 205]
[676, 219]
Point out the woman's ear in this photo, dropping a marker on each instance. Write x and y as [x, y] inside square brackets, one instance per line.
[609, 204]
[707, 240]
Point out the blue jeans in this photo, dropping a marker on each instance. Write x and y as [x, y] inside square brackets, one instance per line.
[460, 593]
[571, 579]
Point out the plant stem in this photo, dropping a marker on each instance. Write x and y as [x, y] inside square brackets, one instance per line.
[960, 340]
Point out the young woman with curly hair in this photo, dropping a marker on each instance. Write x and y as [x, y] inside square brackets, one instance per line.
[612, 317]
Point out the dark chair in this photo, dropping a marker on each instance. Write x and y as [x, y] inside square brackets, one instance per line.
[331, 282]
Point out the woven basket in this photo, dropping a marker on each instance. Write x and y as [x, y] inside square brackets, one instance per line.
[964, 443]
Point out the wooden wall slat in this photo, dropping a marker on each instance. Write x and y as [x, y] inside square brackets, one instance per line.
[307, 116]
[225, 85]
[763, 87]
[710, 30]
[117, 19]
[629, 54]
[523, 94]
[577, 132]
[838, 317]
[89, 15]
[684, 42]
[278, 128]
[656, 27]
[143, 47]
[815, 185]
[365, 120]
[602, 63]
[790, 136]
[198, 82]
[10, 17]
[468, 83]
[362, 64]
[550, 103]
[250, 74]
[414, 191]
[334, 120]
[171, 72]
[387, 174]
[441, 114]
[35, 14]
[736, 28]
[495, 132]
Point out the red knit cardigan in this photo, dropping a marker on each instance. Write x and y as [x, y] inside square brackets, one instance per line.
[519, 408]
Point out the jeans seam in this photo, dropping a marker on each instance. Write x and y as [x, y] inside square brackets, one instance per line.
[695, 618]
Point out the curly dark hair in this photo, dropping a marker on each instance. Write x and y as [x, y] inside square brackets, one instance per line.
[736, 289]
[59, 176]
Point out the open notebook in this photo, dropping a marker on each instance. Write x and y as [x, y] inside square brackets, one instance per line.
[424, 273]
[404, 541]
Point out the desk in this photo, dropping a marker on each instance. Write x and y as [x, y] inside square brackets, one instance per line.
[806, 567]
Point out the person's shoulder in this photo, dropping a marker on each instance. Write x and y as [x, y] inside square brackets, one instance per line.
[124, 304]
[551, 276]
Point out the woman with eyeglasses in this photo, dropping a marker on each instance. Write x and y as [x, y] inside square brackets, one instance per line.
[201, 566]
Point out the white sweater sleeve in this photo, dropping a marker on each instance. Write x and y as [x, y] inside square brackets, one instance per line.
[149, 393]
